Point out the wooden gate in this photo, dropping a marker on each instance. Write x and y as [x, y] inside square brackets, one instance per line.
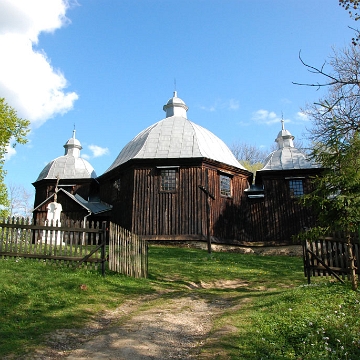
[328, 256]
[128, 253]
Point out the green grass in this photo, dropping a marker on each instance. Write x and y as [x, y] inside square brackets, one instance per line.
[276, 315]
[37, 299]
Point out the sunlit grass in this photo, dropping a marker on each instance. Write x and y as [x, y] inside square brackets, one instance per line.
[36, 299]
[309, 322]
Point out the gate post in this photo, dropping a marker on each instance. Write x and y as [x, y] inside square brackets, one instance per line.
[103, 247]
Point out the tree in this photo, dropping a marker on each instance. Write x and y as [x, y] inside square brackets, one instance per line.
[352, 6]
[13, 130]
[20, 201]
[335, 135]
[249, 156]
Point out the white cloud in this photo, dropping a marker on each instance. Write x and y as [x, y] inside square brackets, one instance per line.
[28, 81]
[208, 108]
[302, 116]
[10, 151]
[98, 151]
[219, 104]
[286, 101]
[267, 117]
[233, 104]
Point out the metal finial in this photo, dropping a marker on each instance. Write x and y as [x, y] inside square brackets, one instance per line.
[282, 122]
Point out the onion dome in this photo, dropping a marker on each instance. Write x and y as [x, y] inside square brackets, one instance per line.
[70, 165]
[287, 157]
[176, 137]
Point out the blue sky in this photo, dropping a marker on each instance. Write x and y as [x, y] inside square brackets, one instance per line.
[109, 66]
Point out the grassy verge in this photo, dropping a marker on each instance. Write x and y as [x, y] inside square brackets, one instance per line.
[275, 316]
[37, 299]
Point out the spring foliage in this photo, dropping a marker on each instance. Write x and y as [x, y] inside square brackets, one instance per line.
[13, 130]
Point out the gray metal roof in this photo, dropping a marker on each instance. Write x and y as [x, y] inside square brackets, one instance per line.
[95, 207]
[70, 165]
[176, 137]
[287, 157]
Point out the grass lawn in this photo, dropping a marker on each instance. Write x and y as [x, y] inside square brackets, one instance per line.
[278, 317]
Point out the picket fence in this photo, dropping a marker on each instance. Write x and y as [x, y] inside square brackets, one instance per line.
[127, 252]
[75, 244]
[328, 256]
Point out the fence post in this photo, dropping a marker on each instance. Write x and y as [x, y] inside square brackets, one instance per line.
[103, 248]
[307, 261]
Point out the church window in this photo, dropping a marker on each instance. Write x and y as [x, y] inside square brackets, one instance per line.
[168, 179]
[225, 185]
[296, 187]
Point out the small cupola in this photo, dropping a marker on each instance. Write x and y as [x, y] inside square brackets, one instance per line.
[284, 138]
[175, 107]
[73, 146]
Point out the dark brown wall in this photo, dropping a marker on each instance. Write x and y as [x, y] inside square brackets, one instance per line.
[119, 195]
[139, 205]
[45, 188]
[167, 213]
[70, 210]
[278, 216]
[145, 210]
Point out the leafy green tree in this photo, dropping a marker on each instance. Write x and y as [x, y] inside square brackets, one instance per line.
[13, 130]
[335, 133]
[336, 198]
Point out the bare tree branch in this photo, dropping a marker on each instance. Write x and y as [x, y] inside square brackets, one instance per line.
[320, 71]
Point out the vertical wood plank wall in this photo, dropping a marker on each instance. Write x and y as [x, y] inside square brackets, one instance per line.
[167, 213]
[277, 217]
[183, 212]
[143, 209]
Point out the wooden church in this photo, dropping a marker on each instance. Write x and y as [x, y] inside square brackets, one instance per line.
[177, 181]
[275, 212]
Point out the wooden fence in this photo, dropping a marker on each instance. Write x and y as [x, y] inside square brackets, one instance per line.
[75, 244]
[128, 254]
[72, 243]
[328, 256]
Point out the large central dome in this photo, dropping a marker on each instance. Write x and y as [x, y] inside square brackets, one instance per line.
[176, 137]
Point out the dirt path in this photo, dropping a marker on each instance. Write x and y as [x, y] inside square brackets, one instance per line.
[153, 327]
[162, 326]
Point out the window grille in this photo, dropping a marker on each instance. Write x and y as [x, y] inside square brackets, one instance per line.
[296, 188]
[225, 185]
[168, 180]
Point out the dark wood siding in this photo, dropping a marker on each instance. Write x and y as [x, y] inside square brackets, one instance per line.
[117, 191]
[180, 214]
[70, 210]
[278, 216]
[158, 213]
[144, 209]
[228, 214]
[46, 188]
